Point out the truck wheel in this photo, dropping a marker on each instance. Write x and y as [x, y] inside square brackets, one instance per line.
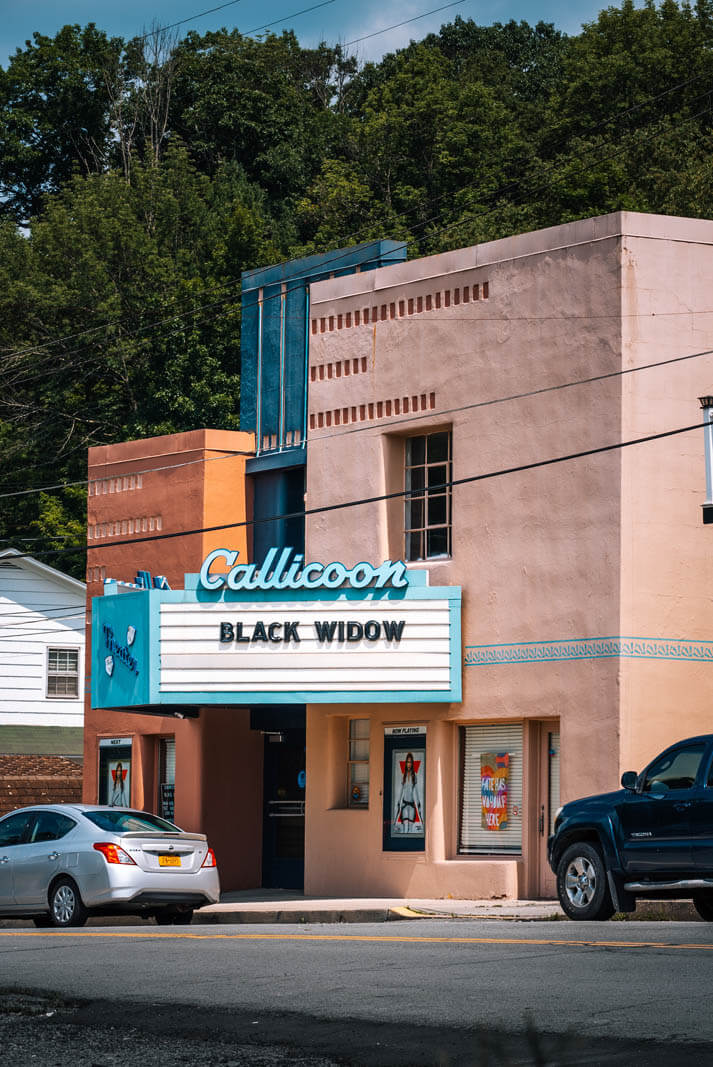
[582, 883]
[703, 903]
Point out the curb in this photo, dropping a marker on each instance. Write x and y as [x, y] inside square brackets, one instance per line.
[326, 915]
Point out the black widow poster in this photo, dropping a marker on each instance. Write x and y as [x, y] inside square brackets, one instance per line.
[404, 788]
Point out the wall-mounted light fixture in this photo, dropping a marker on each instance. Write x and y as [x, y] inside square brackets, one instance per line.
[706, 403]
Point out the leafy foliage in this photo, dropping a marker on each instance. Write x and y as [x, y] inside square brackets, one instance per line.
[138, 179]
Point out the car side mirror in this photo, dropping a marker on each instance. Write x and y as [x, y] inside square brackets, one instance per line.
[628, 780]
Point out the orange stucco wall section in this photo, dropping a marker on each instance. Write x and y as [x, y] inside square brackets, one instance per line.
[173, 485]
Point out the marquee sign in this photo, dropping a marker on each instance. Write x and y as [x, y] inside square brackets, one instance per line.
[284, 632]
[285, 569]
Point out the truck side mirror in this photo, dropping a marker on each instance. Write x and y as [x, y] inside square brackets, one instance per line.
[628, 780]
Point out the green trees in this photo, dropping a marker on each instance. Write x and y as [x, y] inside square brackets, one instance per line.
[138, 179]
[54, 115]
[124, 300]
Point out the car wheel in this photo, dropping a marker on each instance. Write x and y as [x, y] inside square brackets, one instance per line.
[66, 907]
[703, 903]
[174, 917]
[582, 883]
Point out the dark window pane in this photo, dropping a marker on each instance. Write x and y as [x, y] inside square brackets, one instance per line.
[438, 542]
[414, 514]
[437, 510]
[413, 546]
[438, 444]
[437, 477]
[13, 828]
[677, 770]
[415, 479]
[116, 822]
[415, 451]
[50, 826]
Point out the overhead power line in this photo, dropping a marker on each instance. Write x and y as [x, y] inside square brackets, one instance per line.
[381, 497]
[395, 420]
[396, 26]
[182, 22]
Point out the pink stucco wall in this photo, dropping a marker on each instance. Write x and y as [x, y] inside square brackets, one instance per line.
[601, 546]
[667, 563]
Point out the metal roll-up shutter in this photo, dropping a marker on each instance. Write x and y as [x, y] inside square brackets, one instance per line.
[554, 764]
[168, 761]
[474, 836]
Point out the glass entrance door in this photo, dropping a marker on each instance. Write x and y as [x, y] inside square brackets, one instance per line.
[283, 849]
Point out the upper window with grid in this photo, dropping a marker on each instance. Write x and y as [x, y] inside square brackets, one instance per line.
[428, 495]
[63, 672]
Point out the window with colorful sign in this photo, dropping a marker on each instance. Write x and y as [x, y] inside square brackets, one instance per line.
[491, 814]
[494, 768]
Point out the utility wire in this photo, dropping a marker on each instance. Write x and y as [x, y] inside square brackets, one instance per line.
[232, 3]
[406, 22]
[382, 497]
[181, 22]
[395, 420]
[67, 609]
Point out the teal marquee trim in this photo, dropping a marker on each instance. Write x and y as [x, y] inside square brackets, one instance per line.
[589, 648]
[122, 689]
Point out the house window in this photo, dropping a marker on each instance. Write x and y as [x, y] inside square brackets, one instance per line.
[63, 672]
[428, 495]
[358, 764]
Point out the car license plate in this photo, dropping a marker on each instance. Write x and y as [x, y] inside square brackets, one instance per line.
[169, 861]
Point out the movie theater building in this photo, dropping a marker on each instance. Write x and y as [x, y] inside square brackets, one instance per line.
[501, 599]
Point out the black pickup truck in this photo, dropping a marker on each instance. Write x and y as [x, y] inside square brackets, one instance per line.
[652, 838]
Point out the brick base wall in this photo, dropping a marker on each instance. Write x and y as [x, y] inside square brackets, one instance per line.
[26, 780]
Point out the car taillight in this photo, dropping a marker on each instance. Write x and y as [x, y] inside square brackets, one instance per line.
[113, 853]
[210, 860]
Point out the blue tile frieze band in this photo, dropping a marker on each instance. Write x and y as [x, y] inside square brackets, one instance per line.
[588, 648]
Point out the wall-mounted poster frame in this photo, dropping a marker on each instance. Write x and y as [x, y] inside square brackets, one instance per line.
[404, 788]
[115, 771]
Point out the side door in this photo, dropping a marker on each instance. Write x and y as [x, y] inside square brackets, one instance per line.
[37, 861]
[657, 820]
[13, 831]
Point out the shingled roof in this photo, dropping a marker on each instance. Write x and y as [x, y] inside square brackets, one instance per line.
[26, 780]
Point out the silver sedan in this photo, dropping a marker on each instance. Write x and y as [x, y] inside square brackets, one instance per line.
[59, 863]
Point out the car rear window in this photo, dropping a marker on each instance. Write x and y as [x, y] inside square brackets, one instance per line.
[124, 822]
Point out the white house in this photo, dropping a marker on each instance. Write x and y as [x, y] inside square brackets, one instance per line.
[42, 615]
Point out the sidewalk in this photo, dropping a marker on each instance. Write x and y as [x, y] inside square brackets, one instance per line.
[285, 906]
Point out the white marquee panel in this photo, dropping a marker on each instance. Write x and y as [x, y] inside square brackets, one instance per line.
[193, 658]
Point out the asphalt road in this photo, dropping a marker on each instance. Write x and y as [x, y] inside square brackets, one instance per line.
[423, 992]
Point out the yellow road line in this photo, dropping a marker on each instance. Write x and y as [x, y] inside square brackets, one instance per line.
[379, 938]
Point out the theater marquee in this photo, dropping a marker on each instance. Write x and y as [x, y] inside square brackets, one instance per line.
[286, 632]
